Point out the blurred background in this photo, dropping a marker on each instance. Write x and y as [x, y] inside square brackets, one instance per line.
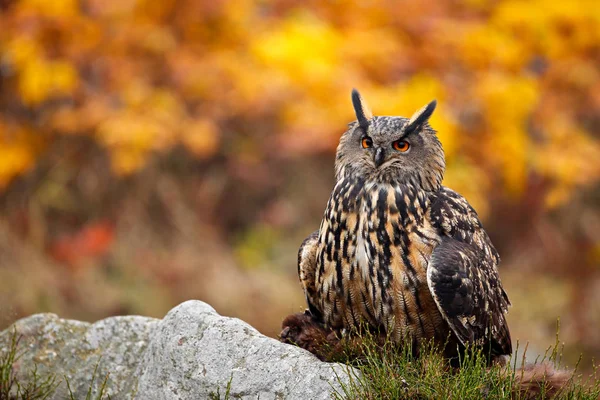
[153, 152]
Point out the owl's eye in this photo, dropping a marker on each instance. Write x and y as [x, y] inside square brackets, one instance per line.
[366, 142]
[401, 145]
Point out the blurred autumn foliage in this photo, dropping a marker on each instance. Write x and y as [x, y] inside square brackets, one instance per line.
[156, 151]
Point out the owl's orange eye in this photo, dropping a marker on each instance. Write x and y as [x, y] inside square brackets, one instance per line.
[366, 142]
[401, 145]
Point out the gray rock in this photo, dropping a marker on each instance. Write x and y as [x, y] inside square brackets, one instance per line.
[69, 349]
[196, 352]
[193, 353]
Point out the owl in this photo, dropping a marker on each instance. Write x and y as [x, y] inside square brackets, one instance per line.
[396, 250]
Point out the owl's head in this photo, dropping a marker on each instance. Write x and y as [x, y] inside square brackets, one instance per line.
[393, 150]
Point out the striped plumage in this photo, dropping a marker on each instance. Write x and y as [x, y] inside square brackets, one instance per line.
[397, 250]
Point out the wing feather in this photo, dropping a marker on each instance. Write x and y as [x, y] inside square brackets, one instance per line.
[463, 278]
[307, 266]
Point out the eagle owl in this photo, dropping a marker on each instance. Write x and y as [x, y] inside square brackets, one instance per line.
[398, 251]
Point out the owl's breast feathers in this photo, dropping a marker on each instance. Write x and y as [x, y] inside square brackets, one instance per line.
[416, 264]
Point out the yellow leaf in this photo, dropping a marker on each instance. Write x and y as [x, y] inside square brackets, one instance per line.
[17, 154]
[54, 8]
[22, 50]
[63, 77]
[125, 160]
[34, 82]
[40, 79]
[201, 138]
[302, 47]
[131, 131]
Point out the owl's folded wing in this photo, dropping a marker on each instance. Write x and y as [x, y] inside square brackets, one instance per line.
[307, 265]
[463, 278]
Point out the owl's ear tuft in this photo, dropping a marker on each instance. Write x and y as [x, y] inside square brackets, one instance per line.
[363, 113]
[420, 117]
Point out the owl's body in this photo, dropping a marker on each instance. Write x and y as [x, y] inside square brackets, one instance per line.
[371, 261]
[397, 251]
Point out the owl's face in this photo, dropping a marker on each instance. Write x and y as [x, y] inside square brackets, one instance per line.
[392, 150]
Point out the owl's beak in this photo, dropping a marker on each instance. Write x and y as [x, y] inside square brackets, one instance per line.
[379, 157]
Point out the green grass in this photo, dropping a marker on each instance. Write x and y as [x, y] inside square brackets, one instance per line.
[11, 388]
[217, 395]
[88, 395]
[388, 372]
[33, 387]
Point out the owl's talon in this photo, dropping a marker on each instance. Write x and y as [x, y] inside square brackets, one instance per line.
[304, 331]
[284, 333]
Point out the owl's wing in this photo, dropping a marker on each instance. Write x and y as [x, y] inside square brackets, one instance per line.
[307, 266]
[463, 278]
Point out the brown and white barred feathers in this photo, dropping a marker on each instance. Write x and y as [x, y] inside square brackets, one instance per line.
[398, 251]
